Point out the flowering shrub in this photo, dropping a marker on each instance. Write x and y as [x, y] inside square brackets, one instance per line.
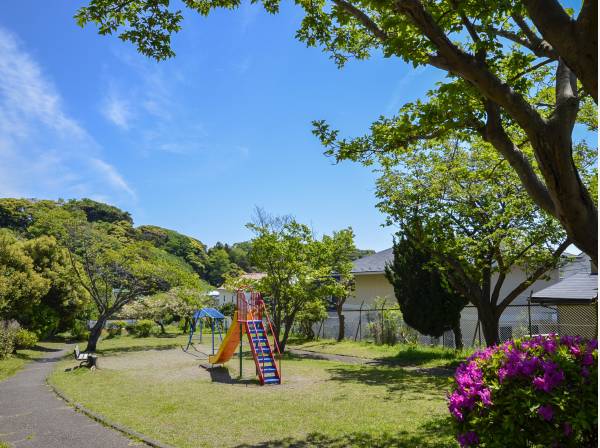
[535, 392]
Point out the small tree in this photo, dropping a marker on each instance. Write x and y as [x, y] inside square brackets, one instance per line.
[427, 302]
[115, 274]
[337, 251]
[165, 306]
[299, 267]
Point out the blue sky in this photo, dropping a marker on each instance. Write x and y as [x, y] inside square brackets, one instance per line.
[194, 143]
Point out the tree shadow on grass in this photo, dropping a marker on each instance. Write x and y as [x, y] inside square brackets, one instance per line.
[394, 379]
[137, 348]
[433, 434]
[442, 372]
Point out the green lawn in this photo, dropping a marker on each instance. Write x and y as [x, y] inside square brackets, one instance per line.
[400, 354]
[165, 394]
[11, 365]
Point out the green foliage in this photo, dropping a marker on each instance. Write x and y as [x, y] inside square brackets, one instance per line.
[98, 211]
[115, 328]
[185, 247]
[427, 302]
[388, 326]
[25, 339]
[8, 335]
[299, 268]
[177, 303]
[477, 218]
[143, 328]
[79, 330]
[313, 312]
[219, 266]
[227, 309]
[21, 287]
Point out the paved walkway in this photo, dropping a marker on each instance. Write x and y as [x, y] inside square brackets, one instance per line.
[32, 416]
[436, 371]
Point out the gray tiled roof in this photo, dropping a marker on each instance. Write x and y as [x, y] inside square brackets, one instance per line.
[373, 263]
[576, 288]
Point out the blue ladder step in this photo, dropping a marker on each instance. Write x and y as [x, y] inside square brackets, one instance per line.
[269, 369]
[262, 358]
[259, 339]
[271, 380]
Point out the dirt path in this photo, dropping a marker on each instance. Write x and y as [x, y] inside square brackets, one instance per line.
[32, 416]
[436, 371]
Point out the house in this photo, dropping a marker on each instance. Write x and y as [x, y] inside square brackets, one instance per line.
[371, 283]
[575, 299]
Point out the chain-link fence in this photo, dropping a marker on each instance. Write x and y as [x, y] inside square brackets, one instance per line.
[366, 324]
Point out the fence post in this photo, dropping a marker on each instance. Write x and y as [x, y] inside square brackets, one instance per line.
[359, 329]
[529, 312]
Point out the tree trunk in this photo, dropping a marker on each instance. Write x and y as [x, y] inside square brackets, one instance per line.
[162, 327]
[458, 342]
[95, 333]
[489, 325]
[341, 320]
[286, 334]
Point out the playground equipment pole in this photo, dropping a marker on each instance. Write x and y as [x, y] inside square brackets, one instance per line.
[241, 340]
[212, 327]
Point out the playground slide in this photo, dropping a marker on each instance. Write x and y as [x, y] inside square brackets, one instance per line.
[229, 344]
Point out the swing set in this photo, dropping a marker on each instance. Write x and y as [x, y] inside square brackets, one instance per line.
[217, 325]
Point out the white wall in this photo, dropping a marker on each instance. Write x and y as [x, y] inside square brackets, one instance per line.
[368, 287]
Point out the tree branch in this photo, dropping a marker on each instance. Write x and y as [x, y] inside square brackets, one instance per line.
[541, 270]
[494, 133]
[575, 41]
[362, 18]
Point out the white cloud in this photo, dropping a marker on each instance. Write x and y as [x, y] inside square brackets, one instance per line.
[112, 175]
[117, 110]
[44, 152]
[163, 122]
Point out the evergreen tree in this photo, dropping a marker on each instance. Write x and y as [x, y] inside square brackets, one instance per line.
[427, 303]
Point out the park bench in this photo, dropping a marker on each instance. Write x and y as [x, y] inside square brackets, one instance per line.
[85, 359]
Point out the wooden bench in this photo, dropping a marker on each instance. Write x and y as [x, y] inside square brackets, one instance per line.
[85, 359]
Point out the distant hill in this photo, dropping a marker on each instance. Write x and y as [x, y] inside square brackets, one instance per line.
[36, 217]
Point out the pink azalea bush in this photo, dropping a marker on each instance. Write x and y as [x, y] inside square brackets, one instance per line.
[534, 392]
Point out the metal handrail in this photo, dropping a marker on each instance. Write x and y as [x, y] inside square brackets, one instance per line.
[278, 367]
[249, 308]
[257, 305]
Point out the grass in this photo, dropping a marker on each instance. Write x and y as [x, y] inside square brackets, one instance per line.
[400, 354]
[167, 396]
[11, 365]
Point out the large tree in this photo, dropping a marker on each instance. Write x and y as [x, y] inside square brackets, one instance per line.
[116, 274]
[519, 74]
[480, 224]
[37, 287]
[427, 301]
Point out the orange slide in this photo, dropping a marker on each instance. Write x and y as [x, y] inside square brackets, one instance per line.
[229, 344]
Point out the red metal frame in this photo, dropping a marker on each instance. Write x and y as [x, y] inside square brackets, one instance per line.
[257, 310]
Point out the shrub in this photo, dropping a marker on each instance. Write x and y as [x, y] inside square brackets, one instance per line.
[8, 335]
[80, 331]
[25, 339]
[227, 309]
[115, 328]
[533, 392]
[143, 328]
